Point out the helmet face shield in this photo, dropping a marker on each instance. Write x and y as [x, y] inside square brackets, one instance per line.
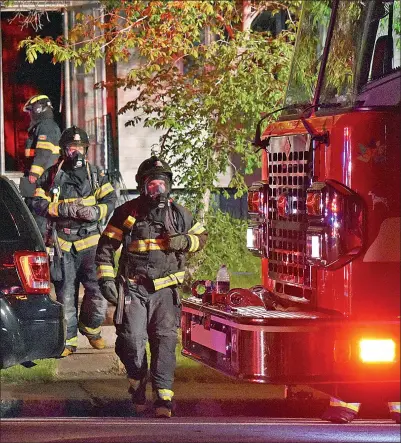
[155, 187]
[75, 156]
[73, 149]
[154, 169]
[72, 141]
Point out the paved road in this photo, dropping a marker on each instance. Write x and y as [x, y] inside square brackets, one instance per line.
[189, 430]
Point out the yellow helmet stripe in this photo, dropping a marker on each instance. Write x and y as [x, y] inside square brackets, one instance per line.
[37, 98]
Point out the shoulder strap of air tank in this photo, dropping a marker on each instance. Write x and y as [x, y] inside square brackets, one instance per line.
[54, 176]
[93, 176]
[170, 222]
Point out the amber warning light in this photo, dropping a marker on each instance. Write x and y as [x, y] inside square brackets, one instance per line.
[257, 198]
[377, 351]
[255, 202]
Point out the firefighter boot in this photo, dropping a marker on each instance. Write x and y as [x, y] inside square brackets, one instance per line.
[68, 350]
[93, 335]
[163, 403]
[137, 389]
[394, 408]
[341, 412]
[97, 342]
[395, 416]
[70, 347]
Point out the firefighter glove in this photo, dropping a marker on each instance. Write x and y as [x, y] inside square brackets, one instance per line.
[177, 242]
[88, 213]
[109, 291]
[69, 210]
[32, 179]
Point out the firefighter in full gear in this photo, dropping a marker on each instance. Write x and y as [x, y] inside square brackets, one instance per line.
[41, 148]
[342, 412]
[76, 196]
[156, 234]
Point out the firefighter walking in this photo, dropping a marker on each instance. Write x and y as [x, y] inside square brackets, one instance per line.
[76, 196]
[155, 234]
[41, 148]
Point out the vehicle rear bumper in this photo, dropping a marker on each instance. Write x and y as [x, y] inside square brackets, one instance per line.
[30, 331]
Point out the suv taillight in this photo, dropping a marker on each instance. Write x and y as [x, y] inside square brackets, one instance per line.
[335, 224]
[33, 269]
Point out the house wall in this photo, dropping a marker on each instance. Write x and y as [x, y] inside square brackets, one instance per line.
[135, 142]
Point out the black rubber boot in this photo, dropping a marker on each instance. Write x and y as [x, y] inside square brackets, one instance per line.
[163, 403]
[395, 416]
[137, 389]
[339, 414]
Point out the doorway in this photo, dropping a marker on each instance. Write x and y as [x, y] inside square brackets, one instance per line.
[22, 80]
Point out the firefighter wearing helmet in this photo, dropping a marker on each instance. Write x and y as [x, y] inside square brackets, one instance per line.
[41, 148]
[76, 197]
[155, 234]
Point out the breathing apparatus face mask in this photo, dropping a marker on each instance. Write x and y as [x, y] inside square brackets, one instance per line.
[157, 189]
[75, 157]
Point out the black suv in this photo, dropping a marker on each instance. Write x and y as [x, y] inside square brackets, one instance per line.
[31, 323]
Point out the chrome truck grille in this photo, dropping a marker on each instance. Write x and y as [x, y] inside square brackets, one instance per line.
[287, 223]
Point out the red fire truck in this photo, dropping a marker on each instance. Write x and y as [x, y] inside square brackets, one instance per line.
[325, 220]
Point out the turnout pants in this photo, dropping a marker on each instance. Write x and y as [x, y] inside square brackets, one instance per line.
[79, 267]
[153, 318]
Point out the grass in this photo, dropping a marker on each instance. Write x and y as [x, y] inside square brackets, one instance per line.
[44, 371]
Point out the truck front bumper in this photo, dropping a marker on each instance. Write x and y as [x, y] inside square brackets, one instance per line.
[282, 347]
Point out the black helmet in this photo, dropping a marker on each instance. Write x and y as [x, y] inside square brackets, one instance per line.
[73, 135]
[153, 167]
[38, 104]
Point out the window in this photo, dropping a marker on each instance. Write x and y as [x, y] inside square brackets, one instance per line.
[365, 48]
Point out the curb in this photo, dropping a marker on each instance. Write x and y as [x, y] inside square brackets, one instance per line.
[101, 407]
[108, 397]
[105, 407]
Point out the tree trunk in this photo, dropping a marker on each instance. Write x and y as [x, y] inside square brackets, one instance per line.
[205, 205]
